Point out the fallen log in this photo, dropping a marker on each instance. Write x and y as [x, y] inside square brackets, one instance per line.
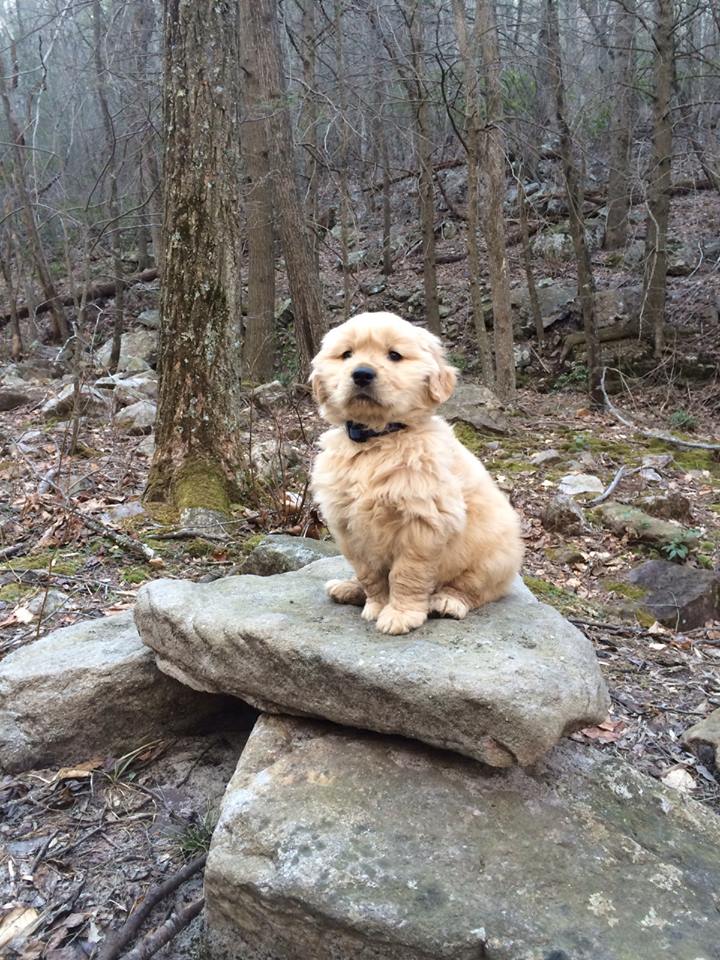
[94, 291]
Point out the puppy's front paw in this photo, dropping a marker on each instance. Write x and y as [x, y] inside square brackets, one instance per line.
[448, 606]
[371, 610]
[395, 621]
[345, 591]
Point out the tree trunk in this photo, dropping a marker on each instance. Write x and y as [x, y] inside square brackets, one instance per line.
[259, 339]
[309, 125]
[343, 160]
[197, 452]
[424, 148]
[494, 151]
[262, 27]
[527, 261]
[111, 167]
[653, 311]
[27, 209]
[472, 149]
[618, 190]
[573, 186]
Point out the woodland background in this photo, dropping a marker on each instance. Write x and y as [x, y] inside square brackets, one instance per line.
[191, 193]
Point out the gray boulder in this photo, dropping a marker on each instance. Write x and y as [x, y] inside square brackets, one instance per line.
[10, 398]
[634, 523]
[681, 597]
[555, 300]
[502, 686]
[138, 349]
[668, 506]
[543, 457]
[279, 553]
[563, 515]
[477, 405]
[93, 403]
[89, 688]
[333, 845]
[138, 419]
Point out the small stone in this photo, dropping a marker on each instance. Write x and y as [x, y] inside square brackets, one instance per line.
[477, 405]
[150, 319]
[146, 447]
[137, 345]
[704, 739]
[48, 602]
[334, 845]
[542, 457]
[563, 515]
[668, 506]
[400, 294]
[523, 356]
[92, 403]
[279, 553]
[629, 521]
[444, 311]
[269, 394]
[132, 389]
[679, 596]
[123, 511]
[576, 484]
[657, 461]
[650, 475]
[10, 399]
[89, 688]
[372, 289]
[137, 419]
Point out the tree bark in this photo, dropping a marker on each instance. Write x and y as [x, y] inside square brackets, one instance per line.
[494, 152]
[653, 310]
[262, 27]
[573, 185]
[258, 342]
[472, 149]
[618, 190]
[27, 209]
[527, 261]
[424, 148]
[197, 452]
[343, 159]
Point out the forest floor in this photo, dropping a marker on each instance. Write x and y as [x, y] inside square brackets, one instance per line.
[83, 844]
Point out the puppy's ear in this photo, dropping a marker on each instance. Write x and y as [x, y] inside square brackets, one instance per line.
[443, 379]
[318, 387]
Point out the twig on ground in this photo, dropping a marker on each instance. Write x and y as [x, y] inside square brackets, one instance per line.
[115, 942]
[176, 922]
[14, 549]
[653, 434]
[135, 547]
[608, 492]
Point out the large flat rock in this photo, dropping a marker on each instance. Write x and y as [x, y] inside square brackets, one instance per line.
[333, 844]
[501, 686]
[86, 689]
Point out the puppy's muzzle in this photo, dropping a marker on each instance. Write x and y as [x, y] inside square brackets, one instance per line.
[363, 376]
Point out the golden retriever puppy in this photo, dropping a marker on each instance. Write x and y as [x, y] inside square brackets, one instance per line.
[416, 514]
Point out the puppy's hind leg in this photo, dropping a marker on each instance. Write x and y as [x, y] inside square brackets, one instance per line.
[346, 591]
[450, 603]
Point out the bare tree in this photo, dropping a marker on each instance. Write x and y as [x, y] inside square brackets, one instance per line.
[618, 201]
[659, 179]
[197, 453]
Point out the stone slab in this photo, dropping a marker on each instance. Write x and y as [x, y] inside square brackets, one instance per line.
[86, 689]
[334, 845]
[502, 686]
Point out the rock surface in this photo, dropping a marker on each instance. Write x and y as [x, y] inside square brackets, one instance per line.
[668, 506]
[138, 348]
[279, 553]
[576, 484]
[477, 405]
[333, 845]
[92, 403]
[89, 688]
[563, 515]
[136, 420]
[501, 686]
[704, 739]
[638, 525]
[679, 596]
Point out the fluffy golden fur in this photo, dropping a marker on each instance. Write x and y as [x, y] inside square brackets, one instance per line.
[416, 514]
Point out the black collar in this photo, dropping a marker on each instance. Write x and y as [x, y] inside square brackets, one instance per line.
[359, 433]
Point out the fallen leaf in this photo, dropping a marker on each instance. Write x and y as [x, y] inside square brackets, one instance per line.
[14, 924]
[679, 779]
[80, 770]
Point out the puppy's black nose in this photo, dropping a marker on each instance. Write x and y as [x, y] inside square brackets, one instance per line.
[363, 376]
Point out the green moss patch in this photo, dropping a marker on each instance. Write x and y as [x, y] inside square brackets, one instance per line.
[47, 560]
[136, 575]
[13, 592]
[469, 437]
[624, 589]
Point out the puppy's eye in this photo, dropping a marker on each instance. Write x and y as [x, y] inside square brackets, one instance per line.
[394, 356]
[346, 355]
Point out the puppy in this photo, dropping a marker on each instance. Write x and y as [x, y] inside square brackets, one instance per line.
[416, 514]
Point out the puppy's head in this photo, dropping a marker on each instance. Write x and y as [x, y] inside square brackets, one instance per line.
[377, 368]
